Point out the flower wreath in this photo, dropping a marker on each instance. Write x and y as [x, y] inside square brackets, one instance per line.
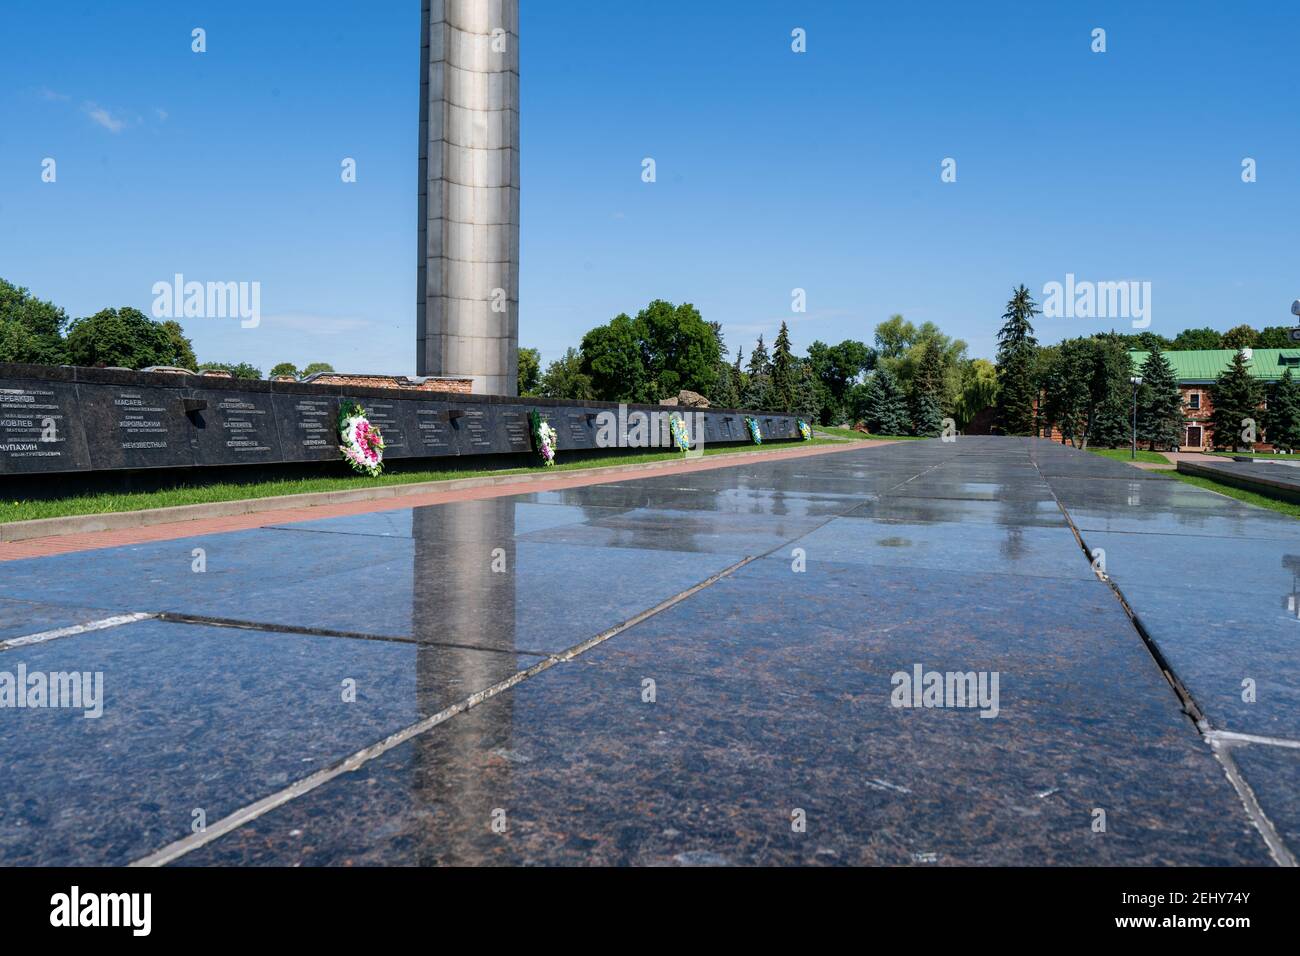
[544, 437]
[754, 432]
[681, 437]
[361, 443]
[804, 430]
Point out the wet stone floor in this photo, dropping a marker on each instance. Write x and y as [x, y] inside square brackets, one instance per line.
[897, 655]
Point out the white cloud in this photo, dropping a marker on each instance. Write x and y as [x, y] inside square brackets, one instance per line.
[161, 114]
[46, 93]
[104, 118]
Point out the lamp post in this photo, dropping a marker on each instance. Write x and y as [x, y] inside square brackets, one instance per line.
[1137, 382]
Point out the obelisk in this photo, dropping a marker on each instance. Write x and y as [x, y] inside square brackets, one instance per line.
[467, 309]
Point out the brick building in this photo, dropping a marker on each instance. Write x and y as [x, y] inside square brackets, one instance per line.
[1196, 372]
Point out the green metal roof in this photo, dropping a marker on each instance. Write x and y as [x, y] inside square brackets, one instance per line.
[1204, 365]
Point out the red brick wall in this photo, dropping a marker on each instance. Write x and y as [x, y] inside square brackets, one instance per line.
[462, 386]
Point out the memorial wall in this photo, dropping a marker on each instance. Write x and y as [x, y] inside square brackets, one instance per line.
[67, 419]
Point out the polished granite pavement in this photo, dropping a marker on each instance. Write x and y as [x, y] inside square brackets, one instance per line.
[750, 720]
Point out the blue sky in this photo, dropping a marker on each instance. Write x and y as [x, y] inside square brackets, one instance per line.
[775, 170]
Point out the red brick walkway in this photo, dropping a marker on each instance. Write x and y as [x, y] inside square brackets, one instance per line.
[63, 544]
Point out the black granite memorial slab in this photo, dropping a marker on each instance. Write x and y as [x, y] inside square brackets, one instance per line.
[576, 427]
[136, 426]
[433, 435]
[511, 431]
[472, 429]
[40, 428]
[308, 426]
[231, 427]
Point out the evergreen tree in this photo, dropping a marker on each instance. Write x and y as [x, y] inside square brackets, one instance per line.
[807, 394]
[1017, 388]
[1282, 418]
[1160, 404]
[885, 407]
[1235, 396]
[758, 387]
[1111, 424]
[926, 393]
[783, 372]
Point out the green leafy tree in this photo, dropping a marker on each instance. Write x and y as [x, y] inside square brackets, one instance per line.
[182, 351]
[1275, 337]
[979, 390]
[124, 338]
[285, 368]
[1196, 339]
[1160, 404]
[1282, 417]
[611, 360]
[1067, 377]
[530, 371]
[1235, 396]
[564, 378]
[240, 370]
[318, 368]
[31, 329]
[884, 405]
[1017, 387]
[1240, 337]
[838, 370]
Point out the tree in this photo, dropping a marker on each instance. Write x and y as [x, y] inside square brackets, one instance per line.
[240, 370]
[285, 368]
[124, 338]
[807, 394]
[564, 378]
[1017, 388]
[1160, 404]
[884, 406]
[725, 393]
[1282, 417]
[1275, 337]
[530, 371]
[665, 349]
[1235, 396]
[182, 352]
[837, 369]
[611, 360]
[31, 330]
[783, 372]
[1111, 422]
[925, 394]
[1194, 339]
[1240, 337]
[758, 378]
[315, 368]
[979, 390]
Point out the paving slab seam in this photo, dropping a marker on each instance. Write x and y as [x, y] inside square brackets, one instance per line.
[72, 631]
[1231, 736]
[270, 627]
[355, 761]
[1218, 746]
[1276, 846]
